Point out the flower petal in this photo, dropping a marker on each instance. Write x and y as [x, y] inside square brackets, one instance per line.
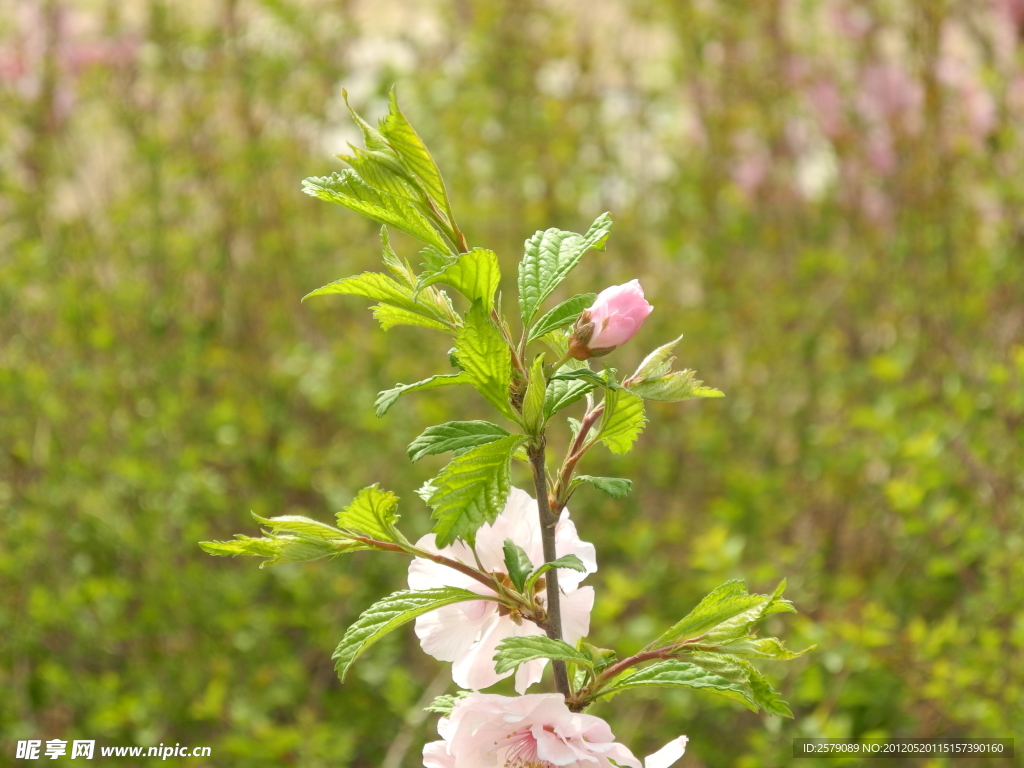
[474, 669]
[448, 633]
[435, 755]
[667, 755]
[576, 608]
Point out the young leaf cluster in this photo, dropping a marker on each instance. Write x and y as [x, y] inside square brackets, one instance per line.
[394, 181]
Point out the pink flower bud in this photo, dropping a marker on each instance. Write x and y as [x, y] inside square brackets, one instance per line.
[614, 318]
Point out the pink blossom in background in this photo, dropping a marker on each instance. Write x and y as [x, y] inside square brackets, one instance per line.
[617, 314]
[467, 634]
[888, 93]
[828, 106]
[535, 731]
[851, 21]
[974, 102]
[62, 34]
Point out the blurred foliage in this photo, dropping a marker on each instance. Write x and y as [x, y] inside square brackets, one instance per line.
[823, 195]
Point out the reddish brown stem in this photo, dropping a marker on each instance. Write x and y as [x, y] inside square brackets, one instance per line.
[484, 578]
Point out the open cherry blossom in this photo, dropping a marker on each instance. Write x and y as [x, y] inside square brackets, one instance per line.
[468, 633]
[533, 731]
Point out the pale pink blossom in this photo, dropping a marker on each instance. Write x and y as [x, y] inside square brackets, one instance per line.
[613, 319]
[535, 731]
[467, 634]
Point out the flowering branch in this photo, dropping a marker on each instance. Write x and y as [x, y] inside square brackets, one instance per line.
[495, 588]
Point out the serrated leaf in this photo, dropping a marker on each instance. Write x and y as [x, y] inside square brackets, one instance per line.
[475, 275]
[762, 648]
[384, 172]
[726, 614]
[399, 267]
[304, 526]
[404, 140]
[563, 315]
[371, 138]
[453, 436]
[472, 490]
[616, 487]
[390, 613]
[380, 287]
[743, 673]
[243, 545]
[485, 358]
[389, 317]
[280, 550]
[654, 379]
[563, 392]
[550, 256]
[444, 705]
[658, 363]
[389, 397]
[623, 420]
[513, 651]
[517, 564]
[347, 189]
[372, 513]
[533, 400]
[681, 674]
[674, 387]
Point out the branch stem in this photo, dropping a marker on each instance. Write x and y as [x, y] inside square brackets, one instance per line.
[484, 578]
[548, 521]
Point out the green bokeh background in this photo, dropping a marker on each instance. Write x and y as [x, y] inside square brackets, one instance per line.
[159, 378]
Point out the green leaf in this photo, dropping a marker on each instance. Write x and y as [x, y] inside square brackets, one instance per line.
[600, 658]
[472, 490]
[550, 256]
[680, 674]
[347, 189]
[572, 562]
[444, 705]
[561, 316]
[380, 287]
[726, 614]
[623, 420]
[658, 363]
[743, 673]
[404, 140]
[533, 400]
[485, 358]
[303, 526]
[616, 487]
[372, 513]
[475, 275]
[453, 436]
[513, 651]
[389, 317]
[389, 614]
[399, 267]
[654, 379]
[389, 397]
[282, 549]
[383, 171]
[517, 564]
[762, 648]
[371, 138]
[674, 387]
[563, 392]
